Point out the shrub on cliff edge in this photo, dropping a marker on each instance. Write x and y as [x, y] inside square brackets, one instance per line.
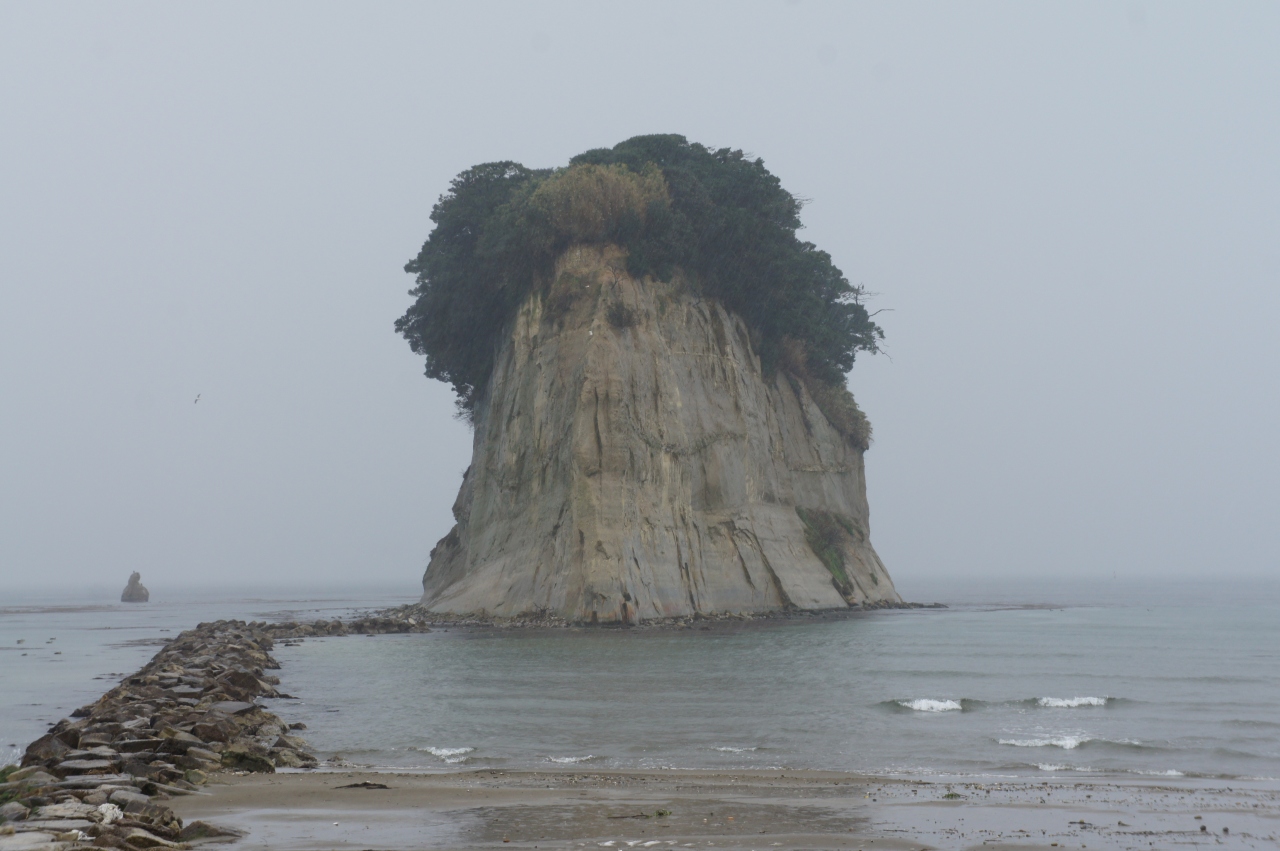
[718, 216]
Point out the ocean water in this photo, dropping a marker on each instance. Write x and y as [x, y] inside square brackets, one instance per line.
[1023, 681]
[62, 648]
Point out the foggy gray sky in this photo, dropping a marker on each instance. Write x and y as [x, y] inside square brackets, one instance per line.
[1072, 211]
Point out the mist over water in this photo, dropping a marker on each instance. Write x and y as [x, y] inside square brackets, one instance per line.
[1068, 211]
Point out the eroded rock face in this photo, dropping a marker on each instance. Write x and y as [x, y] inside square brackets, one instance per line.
[135, 591]
[631, 462]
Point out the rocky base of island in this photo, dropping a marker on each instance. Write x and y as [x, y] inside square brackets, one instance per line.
[100, 778]
[418, 614]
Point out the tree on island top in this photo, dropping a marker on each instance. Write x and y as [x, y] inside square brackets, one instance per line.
[716, 220]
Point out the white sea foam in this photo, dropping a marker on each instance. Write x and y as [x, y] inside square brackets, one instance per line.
[925, 704]
[569, 760]
[1170, 773]
[1071, 702]
[1064, 742]
[450, 755]
[1049, 766]
[735, 750]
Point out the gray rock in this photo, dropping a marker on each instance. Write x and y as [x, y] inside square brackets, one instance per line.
[69, 810]
[139, 838]
[121, 798]
[652, 471]
[99, 752]
[296, 743]
[135, 591]
[34, 841]
[84, 766]
[40, 777]
[241, 757]
[13, 811]
[285, 758]
[138, 745]
[92, 781]
[58, 825]
[203, 830]
[24, 773]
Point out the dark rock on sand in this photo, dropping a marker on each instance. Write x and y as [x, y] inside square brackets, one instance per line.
[135, 591]
[204, 830]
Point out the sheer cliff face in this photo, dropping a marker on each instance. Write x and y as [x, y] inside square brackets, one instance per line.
[632, 463]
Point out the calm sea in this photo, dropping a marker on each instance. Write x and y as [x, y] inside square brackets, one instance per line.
[1012, 680]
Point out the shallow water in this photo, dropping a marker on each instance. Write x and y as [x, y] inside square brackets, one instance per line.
[61, 649]
[976, 689]
[1042, 682]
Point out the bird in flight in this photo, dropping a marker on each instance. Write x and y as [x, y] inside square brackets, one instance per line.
[197, 401]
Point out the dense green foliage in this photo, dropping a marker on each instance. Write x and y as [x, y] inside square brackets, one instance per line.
[718, 217]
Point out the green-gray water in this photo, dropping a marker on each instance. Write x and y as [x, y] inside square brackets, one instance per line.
[1023, 682]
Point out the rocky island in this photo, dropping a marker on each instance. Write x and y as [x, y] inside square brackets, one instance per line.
[135, 591]
[654, 366]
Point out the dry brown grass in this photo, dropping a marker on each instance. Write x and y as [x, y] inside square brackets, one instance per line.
[592, 203]
[834, 400]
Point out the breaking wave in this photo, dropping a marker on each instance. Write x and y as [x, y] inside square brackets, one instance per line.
[449, 755]
[569, 760]
[927, 704]
[967, 704]
[1068, 743]
[735, 750]
[1071, 742]
[1071, 702]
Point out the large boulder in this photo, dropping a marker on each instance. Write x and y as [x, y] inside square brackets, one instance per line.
[135, 591]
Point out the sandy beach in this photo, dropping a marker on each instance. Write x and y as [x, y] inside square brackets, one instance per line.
[747, 810]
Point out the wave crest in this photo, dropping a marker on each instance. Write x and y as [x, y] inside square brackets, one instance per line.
[928, 704]
[449, 755]
[1068, 743]
[1071, 702]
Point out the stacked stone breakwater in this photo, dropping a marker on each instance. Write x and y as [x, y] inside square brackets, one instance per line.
[99, 778]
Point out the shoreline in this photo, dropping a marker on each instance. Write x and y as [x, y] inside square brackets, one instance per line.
[184, 740]
[619, 810]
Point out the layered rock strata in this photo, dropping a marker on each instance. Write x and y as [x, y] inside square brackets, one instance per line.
[633, 462]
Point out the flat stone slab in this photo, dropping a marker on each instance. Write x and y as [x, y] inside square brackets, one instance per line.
[92, 781]
[85, 766]
[56, 825]
[231, 707]
[67, 810]
[124, 797]
[100, 752]
[34, 841]
[136, 745]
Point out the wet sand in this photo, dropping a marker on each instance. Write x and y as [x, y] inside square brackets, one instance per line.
[308, 811]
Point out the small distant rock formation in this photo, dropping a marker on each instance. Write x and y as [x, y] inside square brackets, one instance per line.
[135, 591]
